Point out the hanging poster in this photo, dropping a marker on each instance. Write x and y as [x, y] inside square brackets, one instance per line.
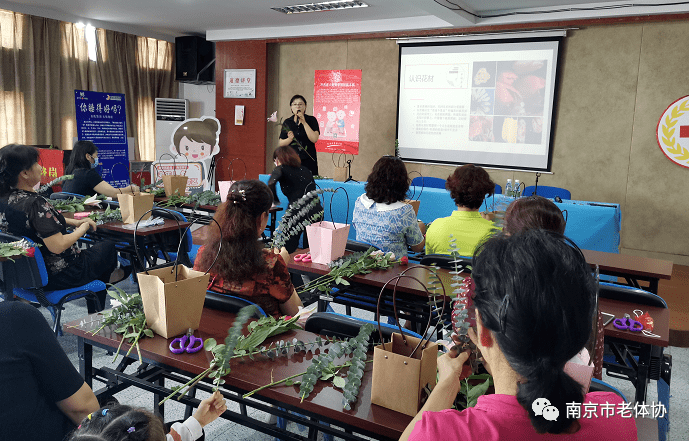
[240, 83]
[101, 119]
[336, 105]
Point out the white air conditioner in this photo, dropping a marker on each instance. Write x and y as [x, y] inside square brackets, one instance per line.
[169, 114]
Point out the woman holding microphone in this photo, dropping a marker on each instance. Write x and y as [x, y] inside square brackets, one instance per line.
[301, 133]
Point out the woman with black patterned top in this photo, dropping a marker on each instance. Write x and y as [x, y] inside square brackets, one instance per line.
[68, 266]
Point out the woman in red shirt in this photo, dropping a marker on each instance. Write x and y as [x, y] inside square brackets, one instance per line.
[245, 268]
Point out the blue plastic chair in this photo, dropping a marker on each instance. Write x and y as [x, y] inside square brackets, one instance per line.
[61, 195]
[189, 246]
[498, 189]
[548, 192]
[229, 303]
[34, 269]
[428, 182]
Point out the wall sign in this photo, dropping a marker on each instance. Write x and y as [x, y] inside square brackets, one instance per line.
[240, 83]
[673, 132]
[336, 106]
[101, 119]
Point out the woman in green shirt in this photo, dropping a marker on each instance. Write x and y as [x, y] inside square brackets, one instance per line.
[468, 185]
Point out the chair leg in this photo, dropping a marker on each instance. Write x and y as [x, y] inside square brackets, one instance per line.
[57, 329]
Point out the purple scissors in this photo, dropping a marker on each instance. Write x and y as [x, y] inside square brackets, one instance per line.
[182, 346]
[628, 323]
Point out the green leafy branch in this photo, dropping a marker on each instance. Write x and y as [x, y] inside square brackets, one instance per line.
[471, 388]
[44, 188]
[295, 219]
[129, 319]
[109, 215]
[22, 247]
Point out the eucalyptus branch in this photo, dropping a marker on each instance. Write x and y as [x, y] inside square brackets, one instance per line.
[295, 220]
[55, 181]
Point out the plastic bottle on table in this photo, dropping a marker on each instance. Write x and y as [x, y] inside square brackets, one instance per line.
[508, 188]
[517, 189]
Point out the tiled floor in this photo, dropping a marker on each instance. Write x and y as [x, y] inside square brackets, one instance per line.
[222, 430]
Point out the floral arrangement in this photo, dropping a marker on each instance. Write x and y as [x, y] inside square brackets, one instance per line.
[61, 179]
[295, 219]
[109, 215]
[11, 250]
[206, 197]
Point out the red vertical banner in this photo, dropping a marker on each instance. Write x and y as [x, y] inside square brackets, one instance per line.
[336, 106]
[51, 161]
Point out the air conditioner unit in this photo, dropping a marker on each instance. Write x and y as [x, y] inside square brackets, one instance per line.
[169, 114]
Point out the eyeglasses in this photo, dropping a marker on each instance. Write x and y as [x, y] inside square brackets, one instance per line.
[298, 105]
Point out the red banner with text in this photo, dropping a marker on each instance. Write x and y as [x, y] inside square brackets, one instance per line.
[336, 105]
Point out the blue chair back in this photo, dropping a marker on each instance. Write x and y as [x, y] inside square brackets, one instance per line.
[61, 195]
[548, 192]
[173, 214]
[355, 246]
[333, 324]
[428, 181]
[498, 189]
[229, 303]
[624, 293]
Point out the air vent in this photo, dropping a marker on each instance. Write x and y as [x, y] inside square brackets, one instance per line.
[168, 109]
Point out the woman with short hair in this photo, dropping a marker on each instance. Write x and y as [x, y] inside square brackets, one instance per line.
[244, 267]
[533, 212]
[534, 298]
[300, 131]
[381, 217]
[87, 181]
[468, 186]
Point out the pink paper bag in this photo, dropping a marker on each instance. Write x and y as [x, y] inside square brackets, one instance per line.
[327, 241]
[224, 188]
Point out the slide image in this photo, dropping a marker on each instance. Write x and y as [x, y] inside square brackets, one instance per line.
[481, 128]
[484, 74]
[519, 87]
[482, 101]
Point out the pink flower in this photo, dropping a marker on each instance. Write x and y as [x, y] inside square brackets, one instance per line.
[273, 117]
[30, 251]
[404, 260]
[288, 317]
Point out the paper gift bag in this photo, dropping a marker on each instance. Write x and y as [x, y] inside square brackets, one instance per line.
[224, 189]
[327, 241]
[340, 171]
[171, 307]
[133, 206]
[340, 174]
[175, 185]
[414, 204]
[399, 380]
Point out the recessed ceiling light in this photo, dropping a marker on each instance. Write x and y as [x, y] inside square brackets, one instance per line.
[321, 6]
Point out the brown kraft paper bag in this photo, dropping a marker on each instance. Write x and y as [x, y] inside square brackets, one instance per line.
[398, 380]
[414, 204]
[173, 306]
[133, 206]
[175, 185]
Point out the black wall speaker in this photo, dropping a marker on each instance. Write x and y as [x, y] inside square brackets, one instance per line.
[193, 54]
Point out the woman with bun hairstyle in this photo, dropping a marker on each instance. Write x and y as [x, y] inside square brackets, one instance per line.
[534, 297]
[83, 162]
[244, 267]
[68, 265]
[533, 212]
[468, 186]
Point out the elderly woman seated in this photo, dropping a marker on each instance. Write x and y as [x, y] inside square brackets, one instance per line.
[534, 299]
[381, 218]
[468, 186]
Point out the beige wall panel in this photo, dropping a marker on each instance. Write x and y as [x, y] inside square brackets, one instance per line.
[657, 206]
[594, 114]
[378, 61]
[297, 65]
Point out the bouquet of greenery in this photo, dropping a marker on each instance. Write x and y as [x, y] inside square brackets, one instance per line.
[44, 188]
[295, 219]
[11, 250]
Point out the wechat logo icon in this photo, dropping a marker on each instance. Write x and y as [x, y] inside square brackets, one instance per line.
[542, 407]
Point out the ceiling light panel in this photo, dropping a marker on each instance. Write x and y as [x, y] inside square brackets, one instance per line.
[333, 5]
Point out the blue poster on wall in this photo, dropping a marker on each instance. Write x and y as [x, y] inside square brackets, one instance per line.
[101, 119]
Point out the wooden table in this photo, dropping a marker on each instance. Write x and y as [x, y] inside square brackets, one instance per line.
[373, 282]
[632, 268]
[324, 404]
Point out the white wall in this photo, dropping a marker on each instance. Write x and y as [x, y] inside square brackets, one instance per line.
[201, 99]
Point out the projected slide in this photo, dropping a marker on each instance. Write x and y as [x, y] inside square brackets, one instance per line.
[487, 103]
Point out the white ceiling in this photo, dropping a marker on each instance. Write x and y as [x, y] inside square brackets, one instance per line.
[250, 19]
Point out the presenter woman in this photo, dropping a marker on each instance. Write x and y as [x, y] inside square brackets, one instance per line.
[468, 186]
[68, 265]
[301, 133]
[87, 181]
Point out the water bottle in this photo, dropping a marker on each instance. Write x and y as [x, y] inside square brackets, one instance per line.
[508, 188]
[517, 189]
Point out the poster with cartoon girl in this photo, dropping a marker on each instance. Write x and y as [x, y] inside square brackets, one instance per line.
[193, 144]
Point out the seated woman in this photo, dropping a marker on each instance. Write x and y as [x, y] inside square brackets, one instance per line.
[534, 297]
[295, 181]
[244, 267]
[381, 218]
[82, 164]
[533, 212]
[468, 186]
[68, 265]
[42, 396]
